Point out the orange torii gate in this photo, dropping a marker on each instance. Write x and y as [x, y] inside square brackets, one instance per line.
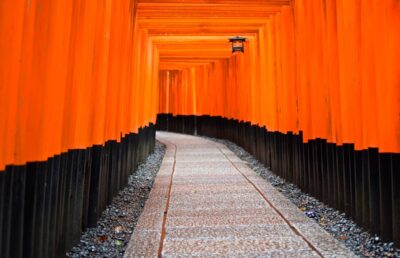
[90, 77]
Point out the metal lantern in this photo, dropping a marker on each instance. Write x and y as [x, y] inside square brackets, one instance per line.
[237, 44]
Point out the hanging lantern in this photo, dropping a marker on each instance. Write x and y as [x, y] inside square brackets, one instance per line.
[237, 44]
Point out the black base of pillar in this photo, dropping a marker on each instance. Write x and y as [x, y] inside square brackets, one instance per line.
[45, 206]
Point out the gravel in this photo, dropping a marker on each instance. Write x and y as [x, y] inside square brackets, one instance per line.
[337, 224]
[117, 222]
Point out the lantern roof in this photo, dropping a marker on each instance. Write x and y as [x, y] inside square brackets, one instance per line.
[237, 38]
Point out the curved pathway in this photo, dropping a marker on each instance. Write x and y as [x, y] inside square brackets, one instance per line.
[206, 202]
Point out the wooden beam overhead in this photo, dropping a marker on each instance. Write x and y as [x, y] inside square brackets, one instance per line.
[191, 33]
[226, 2]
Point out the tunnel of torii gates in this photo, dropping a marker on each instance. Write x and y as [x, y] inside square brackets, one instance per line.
[315, 96]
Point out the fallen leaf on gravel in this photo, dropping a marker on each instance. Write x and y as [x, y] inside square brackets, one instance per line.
[103, 238]
[118, 243]
[343, 237]
[119, 229]
[323, 221]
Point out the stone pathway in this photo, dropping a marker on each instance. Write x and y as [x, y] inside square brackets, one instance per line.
[206, 202]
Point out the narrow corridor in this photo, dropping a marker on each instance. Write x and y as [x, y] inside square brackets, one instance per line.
[309, 88]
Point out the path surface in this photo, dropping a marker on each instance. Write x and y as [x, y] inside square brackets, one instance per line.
[206, 202]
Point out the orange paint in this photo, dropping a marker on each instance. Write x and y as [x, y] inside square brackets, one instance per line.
[66, 76]
[326, 68]
[77, 73]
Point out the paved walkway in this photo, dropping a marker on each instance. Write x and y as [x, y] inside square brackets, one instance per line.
[206, 202]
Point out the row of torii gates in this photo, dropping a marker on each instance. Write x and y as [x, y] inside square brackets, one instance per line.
[84, 84]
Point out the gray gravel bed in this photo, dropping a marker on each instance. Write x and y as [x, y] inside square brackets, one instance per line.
[337, 224]
[117, 222]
